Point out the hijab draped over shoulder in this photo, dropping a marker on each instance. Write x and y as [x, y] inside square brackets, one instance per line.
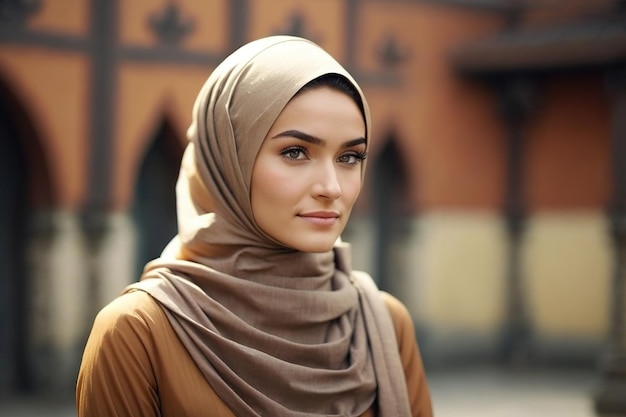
[275, 332]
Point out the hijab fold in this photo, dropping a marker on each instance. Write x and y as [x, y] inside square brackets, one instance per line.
[246, 307]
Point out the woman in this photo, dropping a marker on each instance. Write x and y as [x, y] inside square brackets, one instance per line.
[253, 310]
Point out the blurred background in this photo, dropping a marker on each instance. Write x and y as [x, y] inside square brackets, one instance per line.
[494, 204]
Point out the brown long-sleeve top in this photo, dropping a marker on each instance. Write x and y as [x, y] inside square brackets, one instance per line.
[134, 365]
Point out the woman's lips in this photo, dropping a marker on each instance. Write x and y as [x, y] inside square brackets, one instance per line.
[320, 218]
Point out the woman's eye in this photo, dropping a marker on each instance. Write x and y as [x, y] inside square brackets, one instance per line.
[351, 158]
[347, 159]
[293, 153]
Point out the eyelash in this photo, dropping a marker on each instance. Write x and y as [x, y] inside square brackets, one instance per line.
[360, 156]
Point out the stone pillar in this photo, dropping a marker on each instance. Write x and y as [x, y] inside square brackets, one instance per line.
[110, 241]
[610, 399]
[518, 97]
[115, 260]
[58, 288]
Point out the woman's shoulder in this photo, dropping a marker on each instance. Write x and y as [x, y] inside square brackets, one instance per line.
[402, 320]
[121, 347]
[395, 306]
[134, 311]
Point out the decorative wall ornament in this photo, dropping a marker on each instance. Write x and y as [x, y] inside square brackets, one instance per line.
[169, 26]
[18, 11]
[391, 53]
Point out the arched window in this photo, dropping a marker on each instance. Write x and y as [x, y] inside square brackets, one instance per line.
[154, 207]
[391, 207]
[24, 187]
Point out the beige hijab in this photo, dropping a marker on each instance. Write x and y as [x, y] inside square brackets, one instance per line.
[275, 332]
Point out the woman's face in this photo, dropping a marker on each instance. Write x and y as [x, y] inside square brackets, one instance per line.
[307, 175]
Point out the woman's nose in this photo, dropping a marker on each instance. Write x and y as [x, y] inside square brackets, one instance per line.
[327, 183]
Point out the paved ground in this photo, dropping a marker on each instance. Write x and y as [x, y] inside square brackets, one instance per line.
[497, 393]
[35, 408]
[464, 393]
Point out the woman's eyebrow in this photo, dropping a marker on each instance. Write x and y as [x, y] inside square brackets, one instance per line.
[300, 135]
[354, 142]
[315, 140]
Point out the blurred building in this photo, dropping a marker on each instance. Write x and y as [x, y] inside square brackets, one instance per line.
[495, 202]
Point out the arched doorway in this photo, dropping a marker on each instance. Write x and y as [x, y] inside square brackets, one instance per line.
[154, 207]
[391, 205]
[24, 187]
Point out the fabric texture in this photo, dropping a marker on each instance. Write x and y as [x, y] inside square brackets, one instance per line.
[134, 365]
[274, 331]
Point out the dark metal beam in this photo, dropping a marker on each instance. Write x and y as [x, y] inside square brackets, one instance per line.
[238, 23]
[167, 55]
[103, 25]
[610, 398]
[350, 35]
[20, 37]
[517, 98]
